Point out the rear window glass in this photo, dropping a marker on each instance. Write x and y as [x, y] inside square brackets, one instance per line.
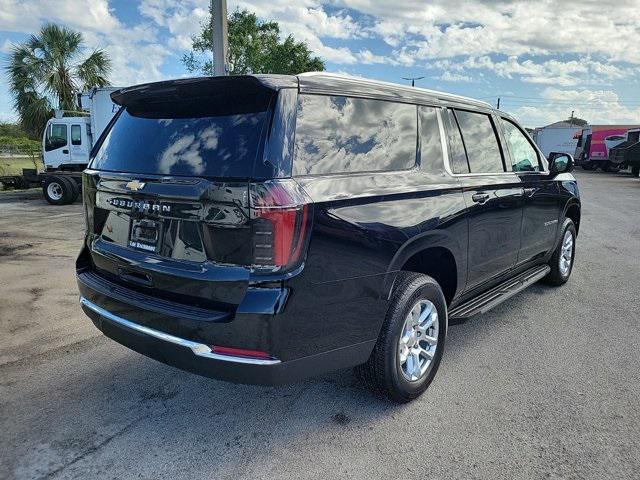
[340, 134]
[188, 139]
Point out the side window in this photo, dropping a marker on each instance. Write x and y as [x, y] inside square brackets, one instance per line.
[480, 141]
[56, 137]
[457, 155]
[430, 142]
[524, 158]
[76, 135]
[341, 134]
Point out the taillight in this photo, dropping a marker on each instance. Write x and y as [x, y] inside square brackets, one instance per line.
[280, 213]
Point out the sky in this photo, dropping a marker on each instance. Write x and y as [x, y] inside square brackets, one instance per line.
[543, 58]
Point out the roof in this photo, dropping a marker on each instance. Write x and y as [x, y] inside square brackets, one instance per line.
[313, 82]
[331, 83]
[561, 125]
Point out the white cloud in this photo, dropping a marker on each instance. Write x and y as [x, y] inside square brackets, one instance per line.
[448, 28]
[596, 106]
[6, 46]
[136, 53]
[454, 77]
[547, 72]
[22, 16]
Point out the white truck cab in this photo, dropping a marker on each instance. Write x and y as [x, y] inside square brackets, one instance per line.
[67, 141]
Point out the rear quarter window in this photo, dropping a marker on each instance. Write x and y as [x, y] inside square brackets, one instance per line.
[336, 134]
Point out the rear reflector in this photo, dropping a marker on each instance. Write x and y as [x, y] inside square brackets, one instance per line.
[280, 215]
[240, 352]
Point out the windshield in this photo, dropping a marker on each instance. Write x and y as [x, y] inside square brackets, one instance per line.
[194, 137]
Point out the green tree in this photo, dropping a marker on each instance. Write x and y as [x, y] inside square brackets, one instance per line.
[48, 70]
[254, 47]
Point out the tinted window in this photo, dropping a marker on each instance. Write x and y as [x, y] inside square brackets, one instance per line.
[76, 137]
[56, 137]
[340, 134]
[182, 139]
[480, 142]
[524, 157]
[457, 155]
[430, 142]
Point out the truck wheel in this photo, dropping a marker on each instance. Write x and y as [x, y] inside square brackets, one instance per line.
[610, 167]
[407, 354]
[561, 262]
[588, 166]
[75, 188]
[635, 170]
[57, 190]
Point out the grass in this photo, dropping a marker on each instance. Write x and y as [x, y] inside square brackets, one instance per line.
[14, 165]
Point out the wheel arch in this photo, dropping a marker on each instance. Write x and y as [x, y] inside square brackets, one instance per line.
[436, 254]
[572, 211]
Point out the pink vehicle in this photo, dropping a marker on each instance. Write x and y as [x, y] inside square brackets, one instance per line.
[594, 144]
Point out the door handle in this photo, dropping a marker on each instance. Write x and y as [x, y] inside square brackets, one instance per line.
[528, 192]
[65, 151]
[480, 197]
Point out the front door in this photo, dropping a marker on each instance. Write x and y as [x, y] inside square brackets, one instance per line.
[541, 195]
[56, 145]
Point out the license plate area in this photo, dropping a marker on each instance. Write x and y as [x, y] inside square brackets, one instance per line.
[145, 235]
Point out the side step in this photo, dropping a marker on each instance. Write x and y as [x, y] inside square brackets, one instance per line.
[491, 298]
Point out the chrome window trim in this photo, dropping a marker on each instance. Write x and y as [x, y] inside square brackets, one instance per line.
[199, 349]
[445, 152]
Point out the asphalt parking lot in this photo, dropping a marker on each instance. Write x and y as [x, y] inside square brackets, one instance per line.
[547, 385]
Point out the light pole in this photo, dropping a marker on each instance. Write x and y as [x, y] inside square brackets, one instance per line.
[220, 40]
[413, 80]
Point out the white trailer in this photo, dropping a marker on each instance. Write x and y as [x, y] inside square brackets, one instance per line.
[557, 139]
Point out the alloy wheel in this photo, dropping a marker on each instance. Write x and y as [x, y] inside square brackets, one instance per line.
[418, 341]
[566, 253]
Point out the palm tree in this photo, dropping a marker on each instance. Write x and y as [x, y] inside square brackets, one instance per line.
[48, 70]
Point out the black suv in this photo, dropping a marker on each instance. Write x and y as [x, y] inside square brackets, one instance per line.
[267, 228]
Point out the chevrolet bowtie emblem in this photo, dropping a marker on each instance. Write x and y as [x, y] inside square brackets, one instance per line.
[135, 185]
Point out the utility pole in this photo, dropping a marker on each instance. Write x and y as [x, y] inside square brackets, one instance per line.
[571, 117]
[220, 39]
[413, 80]
[498, 107]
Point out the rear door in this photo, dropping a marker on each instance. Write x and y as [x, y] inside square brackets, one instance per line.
[494, 196]
[541, 194]
[79, 144]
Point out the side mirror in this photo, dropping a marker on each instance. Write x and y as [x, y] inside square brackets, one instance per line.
[560, 163]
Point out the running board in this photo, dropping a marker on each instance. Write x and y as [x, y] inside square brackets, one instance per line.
[499, 294]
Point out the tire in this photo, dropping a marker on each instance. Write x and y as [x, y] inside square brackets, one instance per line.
[75, 188]
[559, 274]
[57, 190]
[385, 372]
[635, 170]
[589, 166]
[610, 167]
